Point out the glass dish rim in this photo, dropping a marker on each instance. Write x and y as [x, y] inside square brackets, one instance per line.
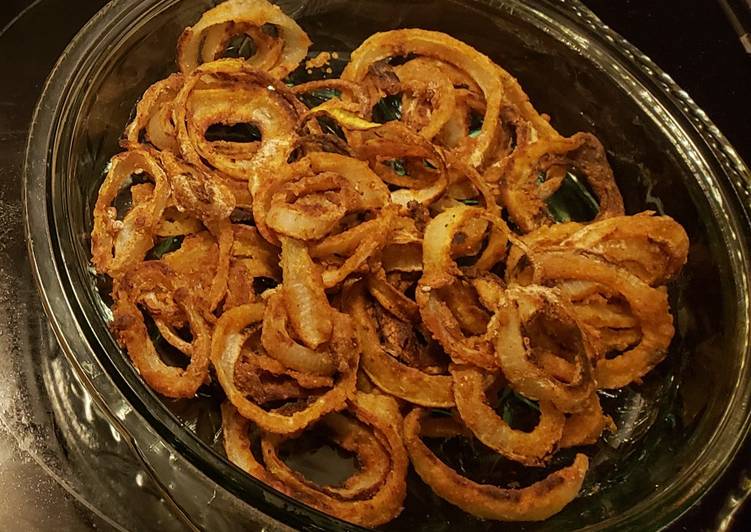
[49, 270]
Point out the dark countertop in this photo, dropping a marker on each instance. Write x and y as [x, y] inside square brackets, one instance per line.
[693, 42]
[690, 39]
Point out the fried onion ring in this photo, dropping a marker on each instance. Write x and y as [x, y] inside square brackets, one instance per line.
[437, 45]
[226, 347]
[648, 305]
[533, 503]
[117, 245]
[518, 307]
[206, 40]
[530, 448]
[367, 507]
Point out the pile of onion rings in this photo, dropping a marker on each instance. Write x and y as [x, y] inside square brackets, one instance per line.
[379, 281]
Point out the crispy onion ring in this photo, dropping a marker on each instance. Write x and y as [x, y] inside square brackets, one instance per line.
[311, 198]
[478, 67]
[153, 122]
[530, 448]
[533, 503]
[654, 248]
[230, 92]
[647, 304]
[386, 372]
[117, 245]
[427, 176]
[150, 287]
[518, 307]
[226, 347]
[441, 275]
[373, 459]
[281, 346]
[206, 41]
[373, 500]
[524, 196]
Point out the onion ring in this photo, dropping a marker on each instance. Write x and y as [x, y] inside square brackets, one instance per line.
[381, 414]
[389, 374]
[440, 46]
[246, 14]
[117, 245]
[519, 306]
[137, 287]
[230, 92]
[226, 346]
[648, 305]
[524, 196]
[533, 503]
[530, 448]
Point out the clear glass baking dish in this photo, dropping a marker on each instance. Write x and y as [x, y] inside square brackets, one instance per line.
[678, 431]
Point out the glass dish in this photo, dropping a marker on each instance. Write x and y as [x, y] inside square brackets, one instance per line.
[678, 431]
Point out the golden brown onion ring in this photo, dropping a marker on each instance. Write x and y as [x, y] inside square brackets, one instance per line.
[533, 503]
[524, 196]
[351, 435]
[143, 286]
[260, 258]
[226, 347]
[649, 305]
[153, 121]
[427, 177]
[440, 46]
[117, 245]
[530, 448]
[370, 507]
[386, 372]
[381, 413]
[246, 14]
[230, 92]
[519, 306]
[654, 248]
[328, 186]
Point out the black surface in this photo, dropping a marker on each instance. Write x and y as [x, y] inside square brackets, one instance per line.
[693, 41]
[689, 39]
